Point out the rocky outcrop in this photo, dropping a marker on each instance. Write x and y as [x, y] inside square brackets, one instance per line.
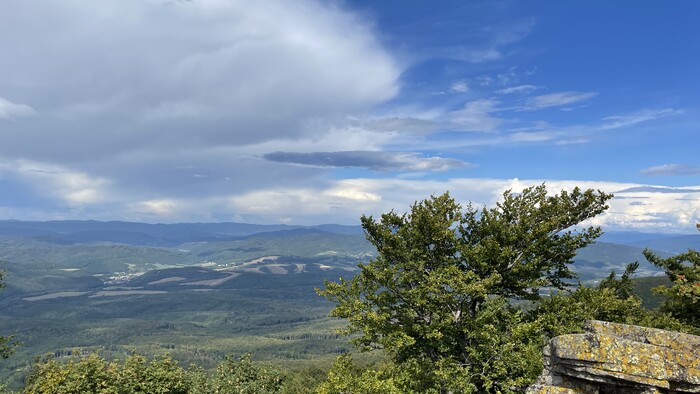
[619, 358]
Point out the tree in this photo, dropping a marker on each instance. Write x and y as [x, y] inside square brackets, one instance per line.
[344, 377]
[243, 377]
[94, 374]
[612, 300]
[683, 297]
[435, 298]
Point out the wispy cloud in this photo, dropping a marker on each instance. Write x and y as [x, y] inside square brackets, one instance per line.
[533, 136]
[659, 189]
[10, 110]
[555, 100]
[518, 89]
[459, 87]
[672, 169]
[507, 78]
[618, 121]
[403, 125]
[374, 160]
[495, 40]
[573, 141]
[476, 116]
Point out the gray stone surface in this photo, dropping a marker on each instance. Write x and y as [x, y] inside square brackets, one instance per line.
[620, 358]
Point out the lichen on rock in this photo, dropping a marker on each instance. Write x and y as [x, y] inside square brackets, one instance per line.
[620, 358]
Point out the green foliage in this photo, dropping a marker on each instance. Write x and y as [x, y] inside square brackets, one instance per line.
[644, 289]
[94, 374]
[435, 297]
[683, 296]
[346, 378]
[304, 381]
[612, 300]
[623, 287]
[244, 377]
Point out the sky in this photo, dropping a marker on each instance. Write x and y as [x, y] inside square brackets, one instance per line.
[309, 112]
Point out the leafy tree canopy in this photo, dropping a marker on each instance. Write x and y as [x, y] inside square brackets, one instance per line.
[435, 296]
[94, 374]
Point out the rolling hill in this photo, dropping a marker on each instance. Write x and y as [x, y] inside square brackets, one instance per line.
[200, 291]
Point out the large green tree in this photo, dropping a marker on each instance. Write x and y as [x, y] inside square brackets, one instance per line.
[435, 296]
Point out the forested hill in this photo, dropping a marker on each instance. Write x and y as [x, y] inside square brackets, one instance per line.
[198, 291]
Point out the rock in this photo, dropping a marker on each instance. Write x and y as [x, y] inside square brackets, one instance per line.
[620, 358]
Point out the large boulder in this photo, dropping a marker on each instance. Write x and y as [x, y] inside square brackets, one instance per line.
[620, 358]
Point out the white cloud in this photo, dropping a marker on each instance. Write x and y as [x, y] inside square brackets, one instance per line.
[459, 87]
[533, 136]
[142, 102]
[661, 211]
[10, 110]
[472, 55]
[618, 121]
[353, 194]
[404, 124]
[476, 116]
[518, 89]
[162, 110]
[344, 201]
[673, 212]
[555, 100]
[573, 141]
[485, 80]
[333, 139]
[206, 72]
[162, 207]
[74, 188]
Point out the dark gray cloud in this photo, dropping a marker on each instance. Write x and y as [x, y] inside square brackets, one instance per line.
[374, 160]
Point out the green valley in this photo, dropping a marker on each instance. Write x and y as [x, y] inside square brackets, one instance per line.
[198, 301]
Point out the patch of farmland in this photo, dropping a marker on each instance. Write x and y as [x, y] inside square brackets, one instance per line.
[60, 294]
[112, 293]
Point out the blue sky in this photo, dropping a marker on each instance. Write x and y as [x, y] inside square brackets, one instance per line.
[314, 112]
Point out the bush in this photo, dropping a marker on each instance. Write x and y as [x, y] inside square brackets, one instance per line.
[94, 374]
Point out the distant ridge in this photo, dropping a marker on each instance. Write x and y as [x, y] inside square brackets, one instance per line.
[146, 234]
